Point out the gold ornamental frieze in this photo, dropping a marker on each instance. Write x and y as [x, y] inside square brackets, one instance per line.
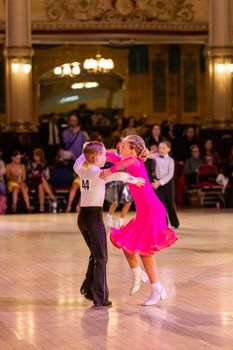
[160, 11]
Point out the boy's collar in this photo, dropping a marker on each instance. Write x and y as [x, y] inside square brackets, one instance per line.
[93, 166]
[164, 156]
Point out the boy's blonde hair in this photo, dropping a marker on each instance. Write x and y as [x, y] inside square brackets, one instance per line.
[166, 142]
[92, 149]
[137, 143]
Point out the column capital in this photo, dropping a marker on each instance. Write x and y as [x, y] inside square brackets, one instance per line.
[219, 52]
[18, 52]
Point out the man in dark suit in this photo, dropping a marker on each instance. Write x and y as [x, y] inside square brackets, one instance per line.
[50, 137]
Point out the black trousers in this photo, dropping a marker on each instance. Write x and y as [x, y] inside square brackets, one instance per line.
[166, 194]
[90, 223]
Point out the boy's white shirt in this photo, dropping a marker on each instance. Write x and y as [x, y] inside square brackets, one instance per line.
[92, 187]
[166, 174]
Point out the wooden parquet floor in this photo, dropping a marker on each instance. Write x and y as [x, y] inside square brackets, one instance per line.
[42, 263]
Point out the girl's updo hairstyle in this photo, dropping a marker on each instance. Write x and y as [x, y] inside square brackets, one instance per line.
[137, 143]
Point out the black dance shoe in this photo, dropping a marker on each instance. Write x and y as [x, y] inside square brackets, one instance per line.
[106, 304]
[87, 294]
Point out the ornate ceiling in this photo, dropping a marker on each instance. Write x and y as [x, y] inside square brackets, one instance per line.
[113, 20]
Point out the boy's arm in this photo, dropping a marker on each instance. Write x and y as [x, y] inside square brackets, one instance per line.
[79, 163]
[124, 177]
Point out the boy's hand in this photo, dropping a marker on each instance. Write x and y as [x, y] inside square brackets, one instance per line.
[155, 184]
[105, 173]
[140, 182]
[112, 150]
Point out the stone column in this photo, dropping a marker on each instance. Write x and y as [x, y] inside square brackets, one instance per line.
[220, 63]
[18, 62]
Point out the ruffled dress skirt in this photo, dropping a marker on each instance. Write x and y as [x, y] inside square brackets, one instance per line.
[147, 232]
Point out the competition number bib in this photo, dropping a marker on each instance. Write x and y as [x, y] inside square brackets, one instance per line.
[86, 185]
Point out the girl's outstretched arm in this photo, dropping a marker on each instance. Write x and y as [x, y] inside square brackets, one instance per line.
[112, 157]
[123, 164]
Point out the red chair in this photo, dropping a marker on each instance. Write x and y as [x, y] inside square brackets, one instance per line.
[209, 191]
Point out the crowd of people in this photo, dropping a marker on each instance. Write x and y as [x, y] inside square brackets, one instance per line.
[49, 165]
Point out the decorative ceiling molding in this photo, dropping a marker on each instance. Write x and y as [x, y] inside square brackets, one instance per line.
[163, 11]
[111, 26]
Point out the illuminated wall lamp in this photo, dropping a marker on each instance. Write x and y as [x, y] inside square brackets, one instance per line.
[23, 67]
[224, 67]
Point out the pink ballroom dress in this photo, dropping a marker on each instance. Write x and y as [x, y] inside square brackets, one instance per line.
[147, 232]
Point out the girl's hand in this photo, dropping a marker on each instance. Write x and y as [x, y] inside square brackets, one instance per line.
[140, 182]
[105, 173]
[155, 184]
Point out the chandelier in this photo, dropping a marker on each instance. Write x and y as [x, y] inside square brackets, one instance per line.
[68, 69]
[85, 85]
[98, 64]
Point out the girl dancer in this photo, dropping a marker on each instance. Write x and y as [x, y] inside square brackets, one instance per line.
[148, 231]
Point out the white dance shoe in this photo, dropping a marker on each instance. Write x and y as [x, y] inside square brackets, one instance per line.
[120, 222]
[155, 298]
[142, 277]
[109, 221]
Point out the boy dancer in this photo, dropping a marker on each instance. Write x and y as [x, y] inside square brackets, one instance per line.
[90, 220]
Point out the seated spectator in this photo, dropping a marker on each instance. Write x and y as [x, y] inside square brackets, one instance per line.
[16, 176]
[72, 194]
[155, 136]
[207, 172]
[191, 165]
[62, 172]
[209, 150]
[227, 179]
[208, 159]
[38, 175]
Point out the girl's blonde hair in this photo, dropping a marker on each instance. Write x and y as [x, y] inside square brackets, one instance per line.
[39, 153]
[137, 143]
[92, 149]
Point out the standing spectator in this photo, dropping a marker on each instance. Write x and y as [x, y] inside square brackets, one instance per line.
[164, 184]
[191, 165]
[196, 124]
[73, 138]
[142, 129]
[182, 153]
[170, 130]
[23, 145]
[16, 176]
[50, 137]
[155, 136]
[131, 128]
